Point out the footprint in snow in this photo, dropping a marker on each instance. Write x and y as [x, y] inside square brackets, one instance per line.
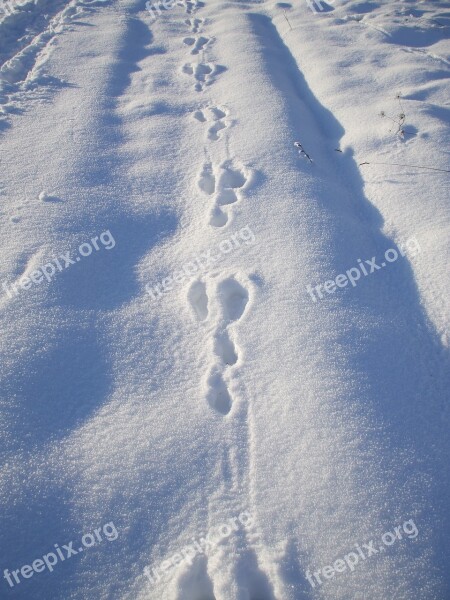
[203, 73]
[198, 43]
[232, 298]
[226, 186]
[195, 24]
[217, 117]
[191, 6]
[198, 300]
[203, 580]
[207, 180]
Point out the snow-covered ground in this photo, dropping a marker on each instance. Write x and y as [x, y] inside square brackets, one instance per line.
[224, 367]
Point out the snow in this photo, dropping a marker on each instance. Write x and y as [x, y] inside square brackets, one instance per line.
[167, 413]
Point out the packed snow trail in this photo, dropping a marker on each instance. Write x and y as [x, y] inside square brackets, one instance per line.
[173, 406]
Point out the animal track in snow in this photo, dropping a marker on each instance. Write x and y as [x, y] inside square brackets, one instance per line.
[227, 188]
[195, 24]
[232, 298]
[197, 43]
[195, 583]
[191, 6]
[218, 396]
[199, 300]
[203, 73]
[200, 72]
[224, 348]
[216, 116]
[207, 181]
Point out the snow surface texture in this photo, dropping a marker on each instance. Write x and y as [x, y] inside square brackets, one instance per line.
[229, 391]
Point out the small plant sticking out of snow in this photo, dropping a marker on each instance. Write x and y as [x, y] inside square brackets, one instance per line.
[398, 120]
[301, 151]
[45, 197]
